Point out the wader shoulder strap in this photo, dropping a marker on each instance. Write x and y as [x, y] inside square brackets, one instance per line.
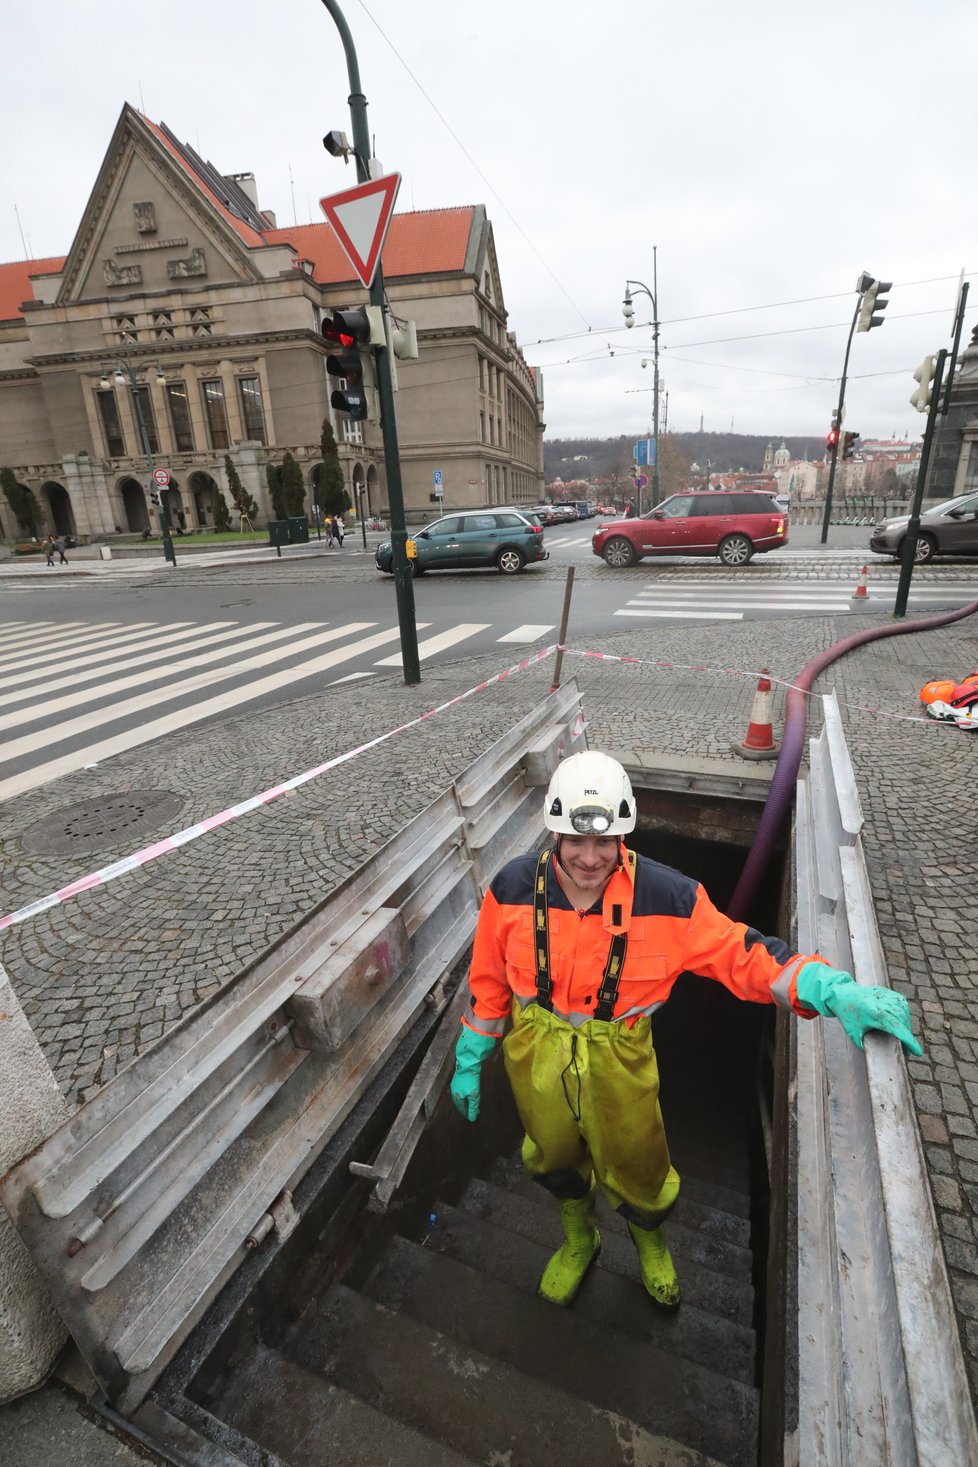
[608, 991]
[541, 934]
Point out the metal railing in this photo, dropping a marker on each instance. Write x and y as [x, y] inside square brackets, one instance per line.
[881, 1373]
[140, 1207]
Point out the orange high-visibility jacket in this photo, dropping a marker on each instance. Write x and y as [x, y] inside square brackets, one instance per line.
[672, 927]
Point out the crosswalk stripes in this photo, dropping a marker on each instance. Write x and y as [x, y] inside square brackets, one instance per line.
[712, 600]
[71, 697]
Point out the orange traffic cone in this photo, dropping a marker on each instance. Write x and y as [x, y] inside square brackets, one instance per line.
[862, 589]
[759, 743]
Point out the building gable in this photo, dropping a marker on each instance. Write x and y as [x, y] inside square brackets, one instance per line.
[150, 226]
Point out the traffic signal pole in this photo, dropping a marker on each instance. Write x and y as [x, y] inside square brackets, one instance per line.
[838, 417]
[909, 551]
[403, 582]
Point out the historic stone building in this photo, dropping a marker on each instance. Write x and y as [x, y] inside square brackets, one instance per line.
[176, 275]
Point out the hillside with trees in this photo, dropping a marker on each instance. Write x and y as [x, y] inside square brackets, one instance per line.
[611, 458]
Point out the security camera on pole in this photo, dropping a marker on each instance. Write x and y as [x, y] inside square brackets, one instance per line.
[868, 313]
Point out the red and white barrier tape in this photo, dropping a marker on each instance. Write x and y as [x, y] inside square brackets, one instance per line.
[745, 672]
[214, 822]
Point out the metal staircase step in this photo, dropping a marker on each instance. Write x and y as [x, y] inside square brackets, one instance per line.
[686, 1245]
[690, 1212]
[308, 1421]
[430, 1285]
[492, 1244]
[473, 1404]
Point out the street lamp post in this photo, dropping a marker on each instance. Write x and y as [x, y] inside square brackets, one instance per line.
[628, 312]
[123, 372]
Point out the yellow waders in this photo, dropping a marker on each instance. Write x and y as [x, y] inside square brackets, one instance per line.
[589, 1101]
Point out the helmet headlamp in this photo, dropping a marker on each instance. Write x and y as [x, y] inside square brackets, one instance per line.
[591, 819]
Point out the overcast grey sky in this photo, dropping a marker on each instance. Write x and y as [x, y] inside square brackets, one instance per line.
[770, 151]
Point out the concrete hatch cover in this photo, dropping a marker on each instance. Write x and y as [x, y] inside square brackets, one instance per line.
[93, 825]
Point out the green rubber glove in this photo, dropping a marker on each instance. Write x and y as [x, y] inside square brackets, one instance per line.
[857, 1006]
[471, 1051]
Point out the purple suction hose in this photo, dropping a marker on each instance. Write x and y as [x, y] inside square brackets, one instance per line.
[785, 774]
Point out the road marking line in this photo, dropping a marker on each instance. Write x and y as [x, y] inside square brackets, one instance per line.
[90, 635]
[528, 633]
[63, 659]
[429, 648]
[141, 678]
[125, 646]
[744, 605]
[158, 728]
[69, 728]
[351, 677]
[680, 615]
[18, 635]
[139, 655]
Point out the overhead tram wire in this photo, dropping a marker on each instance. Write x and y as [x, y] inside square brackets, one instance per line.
[743, 310]
[496, 195]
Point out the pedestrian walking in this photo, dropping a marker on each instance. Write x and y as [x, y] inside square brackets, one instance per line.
[59, 546]
[49, 549]
[181, 522]
[578, 947]
[336, 530]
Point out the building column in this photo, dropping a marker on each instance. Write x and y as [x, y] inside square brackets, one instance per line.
[31, 1108]
[245, 457]
[91, 501]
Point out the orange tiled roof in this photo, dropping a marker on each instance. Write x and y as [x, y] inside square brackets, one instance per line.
[430, 242]
[15, 285]
[244, 231]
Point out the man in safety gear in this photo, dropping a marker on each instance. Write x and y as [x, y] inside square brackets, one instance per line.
[579, 946]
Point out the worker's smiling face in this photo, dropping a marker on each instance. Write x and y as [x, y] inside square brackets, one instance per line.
[589, 859]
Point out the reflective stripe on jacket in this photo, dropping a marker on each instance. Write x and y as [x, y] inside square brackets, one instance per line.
[672, 927]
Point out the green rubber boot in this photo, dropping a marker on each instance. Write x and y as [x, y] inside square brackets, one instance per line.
[565, 1272]
[658, 1272]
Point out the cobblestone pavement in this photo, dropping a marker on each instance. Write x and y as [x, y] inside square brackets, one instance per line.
[105, 975]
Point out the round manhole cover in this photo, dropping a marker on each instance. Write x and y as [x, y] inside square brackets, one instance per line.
[92, 825]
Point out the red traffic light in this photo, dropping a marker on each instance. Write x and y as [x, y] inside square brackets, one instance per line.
[832, 437]
[334, 332]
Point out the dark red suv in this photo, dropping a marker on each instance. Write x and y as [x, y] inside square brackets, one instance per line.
[732, 524]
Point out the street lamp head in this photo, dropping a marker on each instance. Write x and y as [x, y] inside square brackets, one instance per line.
[104, 383]
[627, 309]
[120, 377]
[160, 376]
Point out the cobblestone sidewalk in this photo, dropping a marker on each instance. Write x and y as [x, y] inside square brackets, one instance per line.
[105, 975]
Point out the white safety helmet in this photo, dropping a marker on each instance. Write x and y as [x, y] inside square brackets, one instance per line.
[590, 794]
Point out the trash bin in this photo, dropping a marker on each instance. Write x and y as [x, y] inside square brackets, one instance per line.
[299, 530]
[278, 532]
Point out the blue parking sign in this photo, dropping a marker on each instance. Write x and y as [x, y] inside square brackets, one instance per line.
[437, 477]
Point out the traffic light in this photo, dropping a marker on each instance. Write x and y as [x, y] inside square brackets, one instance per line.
[924, 377]
[154, 498]
[351, 334]
[404, 340]
[832, 436]
[849, 444]
[868, 317]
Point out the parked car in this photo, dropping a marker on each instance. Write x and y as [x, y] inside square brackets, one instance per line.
[500, 537]
[565, 512]
[545, 513]
[731, 525]
[950, 528]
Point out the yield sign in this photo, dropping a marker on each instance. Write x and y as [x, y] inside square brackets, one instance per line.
[360, 217]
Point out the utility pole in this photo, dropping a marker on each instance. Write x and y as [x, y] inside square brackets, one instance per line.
[864, 316]
[928, 398]
[628, 311]
[403, 581]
